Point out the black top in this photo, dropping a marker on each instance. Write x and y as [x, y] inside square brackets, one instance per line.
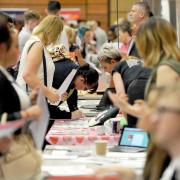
[62, 70]
[9, 100]
[133, 50]
[131, 70]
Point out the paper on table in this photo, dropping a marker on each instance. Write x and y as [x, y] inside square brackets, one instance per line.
[94, 66]
[10, 127]
[68, 170]
[64, 86]
[39, 127]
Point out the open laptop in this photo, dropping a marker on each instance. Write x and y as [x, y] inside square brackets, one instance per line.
[132, 139]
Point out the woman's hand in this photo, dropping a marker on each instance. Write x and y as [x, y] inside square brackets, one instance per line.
[119, 100]
[52, 95]
[77, 114]
[64, 96]
[32, 112]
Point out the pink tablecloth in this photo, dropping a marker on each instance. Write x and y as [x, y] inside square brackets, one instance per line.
[63, 133]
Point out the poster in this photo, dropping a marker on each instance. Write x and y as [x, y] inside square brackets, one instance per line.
[70, 14]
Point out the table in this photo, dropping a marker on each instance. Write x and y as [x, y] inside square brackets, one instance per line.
[78, 132]
[81, 160]
[81, 178]
[85, 111]
[90, 97]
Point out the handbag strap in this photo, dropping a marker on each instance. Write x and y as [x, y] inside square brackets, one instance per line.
[27, 54]
[44, 69]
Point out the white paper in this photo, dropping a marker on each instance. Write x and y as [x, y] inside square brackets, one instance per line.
[93, 66]
[67, 170]
[64, 86]
[38, 127]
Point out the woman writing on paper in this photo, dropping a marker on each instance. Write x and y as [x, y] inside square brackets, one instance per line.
[85, 78]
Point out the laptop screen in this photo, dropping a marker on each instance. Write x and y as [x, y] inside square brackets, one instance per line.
[134, 137]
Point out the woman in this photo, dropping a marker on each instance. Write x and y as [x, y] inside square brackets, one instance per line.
[128, 75]
[15, 103]
[157, 44]
[36, 68]
[19, 106]
[125, 36]
[86, 78]
[166, 118]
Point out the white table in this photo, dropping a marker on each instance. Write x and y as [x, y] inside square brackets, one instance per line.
[81, 160]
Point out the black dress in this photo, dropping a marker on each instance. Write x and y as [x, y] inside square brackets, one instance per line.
[134, 77]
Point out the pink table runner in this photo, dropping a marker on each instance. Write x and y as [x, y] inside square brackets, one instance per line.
[67, 133]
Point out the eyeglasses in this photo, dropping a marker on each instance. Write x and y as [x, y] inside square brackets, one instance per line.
[162, 110]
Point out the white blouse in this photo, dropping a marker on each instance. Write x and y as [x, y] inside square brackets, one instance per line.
[49, 65]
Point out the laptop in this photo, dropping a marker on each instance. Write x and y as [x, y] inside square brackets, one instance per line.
[132, 139]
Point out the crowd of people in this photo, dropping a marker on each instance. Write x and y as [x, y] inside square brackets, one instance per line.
[144, 70]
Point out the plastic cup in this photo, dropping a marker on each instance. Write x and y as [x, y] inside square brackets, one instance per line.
[101, 147]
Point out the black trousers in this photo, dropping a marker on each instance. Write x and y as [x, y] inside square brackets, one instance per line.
[135, 91]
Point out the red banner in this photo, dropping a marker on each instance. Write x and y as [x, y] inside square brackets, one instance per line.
[70, 14]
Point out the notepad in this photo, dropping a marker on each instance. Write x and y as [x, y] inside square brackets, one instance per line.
[64, 86]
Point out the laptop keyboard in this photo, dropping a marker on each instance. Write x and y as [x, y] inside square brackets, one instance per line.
[126, 149]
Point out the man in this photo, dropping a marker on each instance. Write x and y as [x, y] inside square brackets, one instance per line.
[139, 13]
[54, 8]
[31, 20]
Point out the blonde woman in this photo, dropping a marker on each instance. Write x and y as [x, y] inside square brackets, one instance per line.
[31, 70]
[128, 75]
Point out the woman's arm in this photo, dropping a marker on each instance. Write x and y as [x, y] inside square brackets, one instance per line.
[118, 83]
[33, 112]
[120, 101]
[33, 62]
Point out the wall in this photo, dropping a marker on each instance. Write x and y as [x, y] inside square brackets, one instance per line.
[90, 9]
[124, 6]
[102, 10]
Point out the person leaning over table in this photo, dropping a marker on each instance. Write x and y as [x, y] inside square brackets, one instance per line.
[157, 44]
[128, 75]
[86, 79]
